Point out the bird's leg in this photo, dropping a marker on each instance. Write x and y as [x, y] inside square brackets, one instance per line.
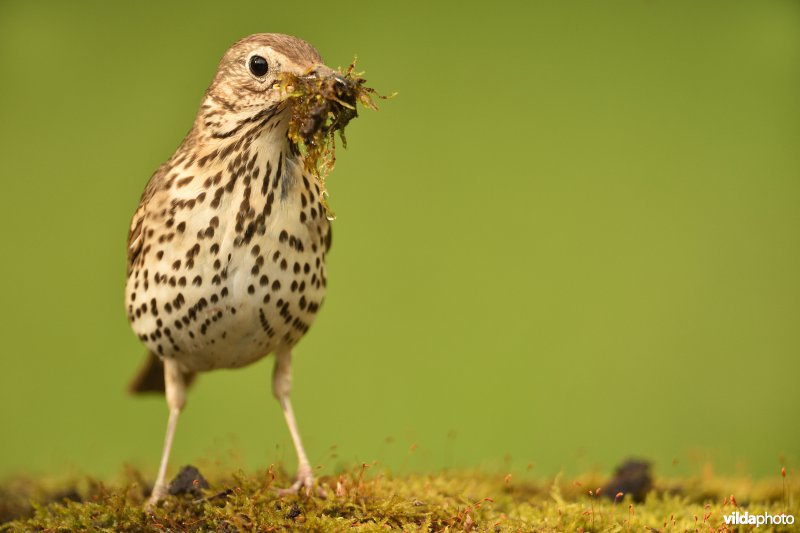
[281, 387]
[175, 385]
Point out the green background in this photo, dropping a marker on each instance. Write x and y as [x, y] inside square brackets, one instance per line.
[573, 236]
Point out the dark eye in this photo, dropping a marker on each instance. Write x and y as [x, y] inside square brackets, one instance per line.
[258, 66]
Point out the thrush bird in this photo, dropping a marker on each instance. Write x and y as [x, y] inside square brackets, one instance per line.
[226, 251]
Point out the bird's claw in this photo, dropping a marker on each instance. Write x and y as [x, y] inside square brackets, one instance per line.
[158, 494]
[303, 481]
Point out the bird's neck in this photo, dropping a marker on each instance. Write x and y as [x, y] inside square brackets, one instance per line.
[244, 150]
[217, 125]
[219, 136]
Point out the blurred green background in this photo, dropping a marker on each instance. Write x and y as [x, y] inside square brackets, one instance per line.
[573, 237]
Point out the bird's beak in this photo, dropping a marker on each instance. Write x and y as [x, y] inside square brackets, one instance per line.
[341, 87]
[321, 72]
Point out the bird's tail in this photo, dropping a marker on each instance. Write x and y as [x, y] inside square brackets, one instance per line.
[150, 377]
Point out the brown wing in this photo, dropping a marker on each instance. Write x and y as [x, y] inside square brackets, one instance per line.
[135, 238]
[150, 377]
[136, 233]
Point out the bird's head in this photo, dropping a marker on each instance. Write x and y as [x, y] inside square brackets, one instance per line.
[250, 83]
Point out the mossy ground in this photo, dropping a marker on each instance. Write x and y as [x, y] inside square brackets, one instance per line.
[367, 499]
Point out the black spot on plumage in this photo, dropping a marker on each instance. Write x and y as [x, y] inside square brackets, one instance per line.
[267, 176]
[248, 233]
[226, 151]
[278, 171]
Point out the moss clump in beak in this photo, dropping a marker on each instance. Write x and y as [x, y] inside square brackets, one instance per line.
[322, 104]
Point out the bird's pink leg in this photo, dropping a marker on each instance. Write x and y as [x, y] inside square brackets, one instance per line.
[281, 387]
[176, 399]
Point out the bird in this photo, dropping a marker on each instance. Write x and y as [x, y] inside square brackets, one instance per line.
[226, 250]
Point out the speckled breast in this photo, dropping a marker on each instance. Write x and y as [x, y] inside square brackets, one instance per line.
[232, 266]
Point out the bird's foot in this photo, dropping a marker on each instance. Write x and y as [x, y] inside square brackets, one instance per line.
[304, 480]
[159, 493]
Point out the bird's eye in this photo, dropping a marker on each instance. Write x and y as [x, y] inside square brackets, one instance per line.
[258, 66]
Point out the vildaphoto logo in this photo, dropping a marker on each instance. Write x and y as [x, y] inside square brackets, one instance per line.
[764, 519]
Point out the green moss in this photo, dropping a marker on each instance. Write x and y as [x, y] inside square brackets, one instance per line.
[321, 107]
[363, 499]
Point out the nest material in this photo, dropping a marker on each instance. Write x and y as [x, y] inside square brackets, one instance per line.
[320, 107]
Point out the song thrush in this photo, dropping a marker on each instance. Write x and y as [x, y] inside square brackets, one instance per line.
[226, 251]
